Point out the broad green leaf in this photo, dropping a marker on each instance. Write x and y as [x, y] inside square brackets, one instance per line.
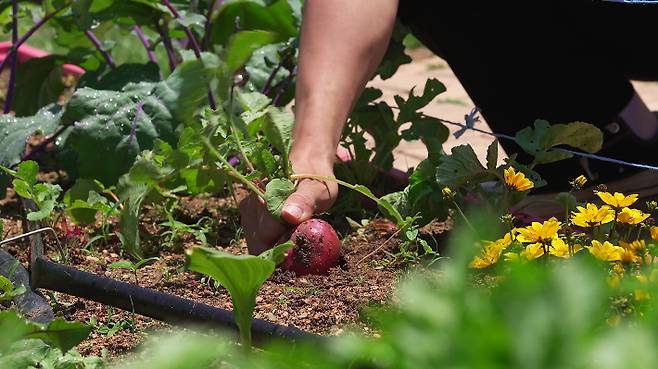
[117, 78]
[276, 194]
[241, 275]
[22, 188]
[14, 133]
[277, 17]
[38, 84]
[132, 195]
[120, 124]
[539, 140]
[277, 127]
[243, 44]
[460, 167]
[27, 171]
[62, 334]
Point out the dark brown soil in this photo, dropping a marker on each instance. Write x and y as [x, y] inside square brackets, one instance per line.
[321, 304]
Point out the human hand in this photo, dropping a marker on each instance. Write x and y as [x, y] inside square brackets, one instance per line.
[262, 231]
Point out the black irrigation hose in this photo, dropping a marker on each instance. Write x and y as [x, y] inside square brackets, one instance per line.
[158, 305]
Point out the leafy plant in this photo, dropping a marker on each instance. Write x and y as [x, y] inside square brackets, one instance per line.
[44, 195]
[132, 266]
[241, 275]
[58, 333]
[8, 290]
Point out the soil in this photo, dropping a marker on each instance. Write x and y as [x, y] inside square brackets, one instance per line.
[325, 304]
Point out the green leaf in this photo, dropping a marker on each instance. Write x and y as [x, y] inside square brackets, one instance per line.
[277, 17]
[62, 334]
[123, 264]
[277, 254]
[14, 133]
[145, 262]
[27, 171]
[132, 195]
[395, 55]
[459, 168]
[241, 275]
[22, 188]
[276, 193]
[117, 78]
[409, 108]
[38, 83]
[110, 124]
[539, 140]
[492, 155]
[433, 134]
[277, 128]
[243, 44]
[567, 200]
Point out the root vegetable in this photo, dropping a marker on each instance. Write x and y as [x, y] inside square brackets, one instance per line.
[316, 250]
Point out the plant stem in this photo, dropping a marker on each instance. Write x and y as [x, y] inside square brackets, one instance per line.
[166, 41]
[42, 146]
[195, 47]
[463, 216]
[236, 174]
[205, 43]
[147, 44]
[283, 86]
[97, 43]
[14, 49]
[234, 131]
[14, 57]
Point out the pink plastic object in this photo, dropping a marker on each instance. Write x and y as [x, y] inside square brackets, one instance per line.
[26, 53]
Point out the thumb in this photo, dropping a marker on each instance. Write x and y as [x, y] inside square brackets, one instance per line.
[312, 197]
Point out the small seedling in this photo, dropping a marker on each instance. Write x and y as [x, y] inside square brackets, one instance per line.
[129, 265]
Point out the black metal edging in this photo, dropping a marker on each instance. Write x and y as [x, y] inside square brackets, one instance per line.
[158, 305]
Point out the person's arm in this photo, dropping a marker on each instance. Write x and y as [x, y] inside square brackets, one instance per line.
[342, 44]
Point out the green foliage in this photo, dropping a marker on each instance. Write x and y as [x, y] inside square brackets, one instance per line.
[276, 193]
[58, 333]
[133, 266]
[25, 184]
[38, 84]
[8, 291]
[14, 133]
[540, 140]
[120, 124]
[241, 275]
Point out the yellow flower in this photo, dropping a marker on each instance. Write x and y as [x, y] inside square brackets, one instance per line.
[605, 251]
[539, 232]
[447, 193]
[560, 248]
[511, 256]
[579, 182]
[631, 216]
[654, 233]
[592, 216]
[617, 200]
[517, 181]
[532, 251]
[491, 252]
[635, 246]
[629, 256]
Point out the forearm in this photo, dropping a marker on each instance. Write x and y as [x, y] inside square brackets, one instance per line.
[342, 43]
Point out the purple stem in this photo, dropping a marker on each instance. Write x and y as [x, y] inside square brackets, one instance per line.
[166, 41]
[270, 79]
[146, 43]
[14, 58]
[205, 43]
[97, 43]
[195, 47]
[133, 127]
[27, 35]
[283, 86]
[43, 144]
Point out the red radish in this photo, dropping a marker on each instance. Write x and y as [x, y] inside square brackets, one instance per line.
[316, 250]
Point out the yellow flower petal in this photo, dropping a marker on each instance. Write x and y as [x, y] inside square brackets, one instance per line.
[539, 232]
[606, 251]
[532, 251]
[631, 216]
[517, 181]
[654, 233]
[592, 216]
[617, 200]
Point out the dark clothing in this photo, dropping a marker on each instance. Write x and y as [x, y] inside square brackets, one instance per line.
[561, 61]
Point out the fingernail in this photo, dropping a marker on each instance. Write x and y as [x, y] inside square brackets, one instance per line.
[294, 211]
